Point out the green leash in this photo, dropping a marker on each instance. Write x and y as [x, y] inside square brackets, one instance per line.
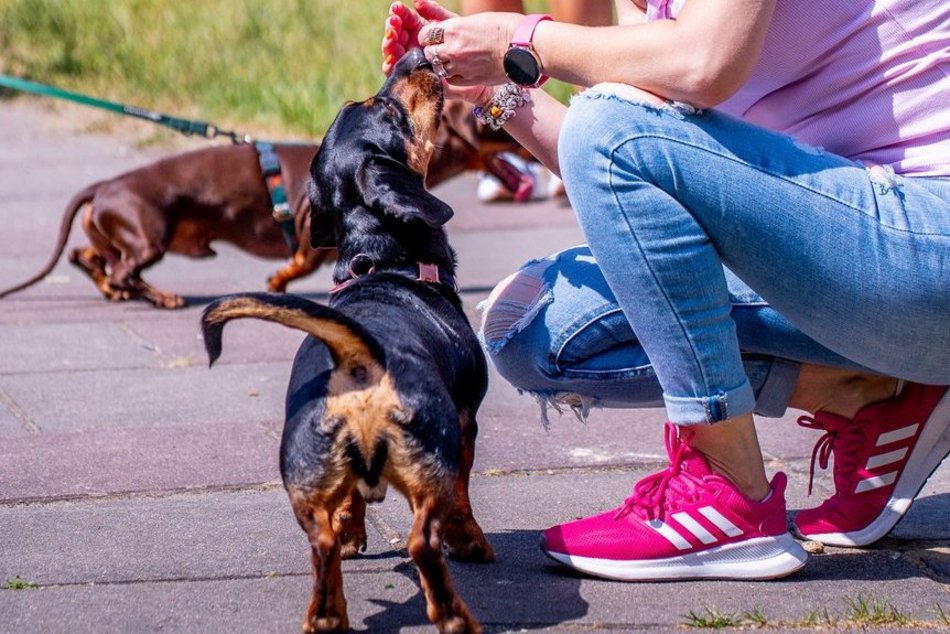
[184, 126]
[266, 152]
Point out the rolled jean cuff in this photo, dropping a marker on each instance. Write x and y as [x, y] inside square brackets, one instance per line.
[692, 410]
[776, 392]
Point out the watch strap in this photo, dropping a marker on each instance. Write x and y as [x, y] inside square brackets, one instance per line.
[524, 32]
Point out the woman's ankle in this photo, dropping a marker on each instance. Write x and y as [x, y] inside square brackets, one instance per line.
[840, 392]
[731, 449]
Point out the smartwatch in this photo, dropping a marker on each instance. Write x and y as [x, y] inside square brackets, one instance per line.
[522, 64]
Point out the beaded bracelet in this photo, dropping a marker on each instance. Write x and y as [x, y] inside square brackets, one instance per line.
[501, 107]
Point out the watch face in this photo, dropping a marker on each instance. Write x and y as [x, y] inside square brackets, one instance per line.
[521, 66]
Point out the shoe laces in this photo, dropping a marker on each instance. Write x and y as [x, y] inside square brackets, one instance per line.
[656, 493]
[843, 439]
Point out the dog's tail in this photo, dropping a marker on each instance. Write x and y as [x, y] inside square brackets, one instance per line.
[352, 348]
[77, 203]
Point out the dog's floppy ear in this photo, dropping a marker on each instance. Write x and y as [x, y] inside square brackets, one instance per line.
[391, 188]
[322, 226]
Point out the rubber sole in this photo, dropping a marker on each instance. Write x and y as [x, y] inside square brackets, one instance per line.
[759, 558]
[929, 452]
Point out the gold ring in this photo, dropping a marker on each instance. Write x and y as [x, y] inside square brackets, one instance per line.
[434, 36]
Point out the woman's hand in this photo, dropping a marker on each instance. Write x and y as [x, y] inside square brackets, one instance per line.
[406, 29]
[471, 48]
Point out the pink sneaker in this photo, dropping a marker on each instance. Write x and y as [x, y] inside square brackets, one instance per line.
[682, 523]
[882, 459]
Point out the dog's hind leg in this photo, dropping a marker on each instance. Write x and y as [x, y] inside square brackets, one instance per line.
[350, 525]
[443, 605]
[126, 276]
[464, 538]
[90, 262]
[327, 609]
[99, 258]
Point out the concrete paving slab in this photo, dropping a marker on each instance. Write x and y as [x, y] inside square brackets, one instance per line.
[175, 337]
[13, 420]
[147, 397]
[67, 347]
[103, 462]
[251, 606]
[202, 535]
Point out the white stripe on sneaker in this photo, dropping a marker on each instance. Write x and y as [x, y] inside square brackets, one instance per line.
[671, 535]
[897, 434]
[695, 528]
[886, 458]
[721, 522]
[869, 484]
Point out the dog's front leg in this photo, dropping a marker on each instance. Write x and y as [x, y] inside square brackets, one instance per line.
[327, 609]
[443, 605]
[463, 536]
[304, 262]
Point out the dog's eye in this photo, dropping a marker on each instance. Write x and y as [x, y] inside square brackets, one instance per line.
[393, 111]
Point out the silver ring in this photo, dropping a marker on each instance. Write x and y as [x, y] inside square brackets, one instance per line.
[434, 36]
[438, 65]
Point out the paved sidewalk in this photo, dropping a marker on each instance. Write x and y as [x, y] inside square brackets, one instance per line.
[139, 491]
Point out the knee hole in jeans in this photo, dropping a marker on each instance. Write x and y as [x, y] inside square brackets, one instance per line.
[512, 304]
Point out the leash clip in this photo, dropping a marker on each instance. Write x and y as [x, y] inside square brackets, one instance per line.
[282, 212]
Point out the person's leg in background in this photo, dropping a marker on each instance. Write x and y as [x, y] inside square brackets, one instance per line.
[588, 13]
[664, 263]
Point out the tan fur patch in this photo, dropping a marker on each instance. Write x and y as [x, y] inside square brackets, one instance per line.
[419, 95]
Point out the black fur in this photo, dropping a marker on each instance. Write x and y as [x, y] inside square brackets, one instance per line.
[366, 200]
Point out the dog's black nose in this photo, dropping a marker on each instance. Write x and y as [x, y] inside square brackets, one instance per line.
[415, 59]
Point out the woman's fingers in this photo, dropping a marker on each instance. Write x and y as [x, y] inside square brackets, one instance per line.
[410, 20]
[397, 34]
[435, 14]
[405, 29]
[432, 10]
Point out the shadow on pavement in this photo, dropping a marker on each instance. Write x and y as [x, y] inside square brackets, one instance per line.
[521, 590]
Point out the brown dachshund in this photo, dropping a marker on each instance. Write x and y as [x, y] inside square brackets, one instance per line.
[183, 203]
[386, 389]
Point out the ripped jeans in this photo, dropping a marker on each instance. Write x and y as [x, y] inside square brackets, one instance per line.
[687, 212]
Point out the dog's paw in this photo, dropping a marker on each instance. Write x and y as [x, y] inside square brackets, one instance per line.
[465, 541]
[352, 534]
[352, 545]
[277, 283]
[326, 624]
[173, 302]
[458, 624]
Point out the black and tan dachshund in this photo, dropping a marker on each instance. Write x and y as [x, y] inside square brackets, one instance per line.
[397, 401]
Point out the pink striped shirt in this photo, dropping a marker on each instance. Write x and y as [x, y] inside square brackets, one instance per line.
[865, 79]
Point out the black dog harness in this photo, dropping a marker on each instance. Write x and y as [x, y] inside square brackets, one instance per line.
[283, 214]
[362, 265]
